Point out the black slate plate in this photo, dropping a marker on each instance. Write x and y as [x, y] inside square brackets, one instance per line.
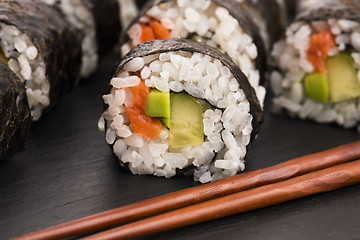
[67, 171]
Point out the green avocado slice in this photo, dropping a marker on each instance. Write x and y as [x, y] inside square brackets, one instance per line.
[186, 118]
[342, 75]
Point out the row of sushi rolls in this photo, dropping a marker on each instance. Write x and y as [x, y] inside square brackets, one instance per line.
[187, 96]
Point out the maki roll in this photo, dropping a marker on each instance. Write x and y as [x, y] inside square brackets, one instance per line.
[221, 24]
[15, 118]
[40, 49]
[98, 24]
[178, 105]
[318, 62]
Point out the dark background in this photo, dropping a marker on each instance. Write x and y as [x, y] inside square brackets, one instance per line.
[68, 171]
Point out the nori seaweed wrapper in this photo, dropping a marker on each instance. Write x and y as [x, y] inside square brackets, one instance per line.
[290, 6]
[270, 17]
[107, 20]
[58, 45]
[176, 44]
[140, 3]
[316, 10]
[15, 116]
[235, 10]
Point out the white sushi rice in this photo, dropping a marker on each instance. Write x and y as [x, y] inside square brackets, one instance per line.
[227, 127]
[26, 62]
[83, 21]
[128, 11]
[211, 22]
[290, 57]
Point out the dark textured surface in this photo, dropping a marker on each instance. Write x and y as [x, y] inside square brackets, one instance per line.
[68, 171]
[15, 118]
[57, 44]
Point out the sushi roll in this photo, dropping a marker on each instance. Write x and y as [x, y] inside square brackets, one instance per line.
[318, 76]
[221, 24]
[41, 50]
[98, 24]
[15, 117]
[178, 105]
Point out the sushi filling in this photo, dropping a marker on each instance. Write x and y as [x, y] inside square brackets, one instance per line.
[82, 20]
[220, 122]
[319, 77]
[199, 20]
[25, 61]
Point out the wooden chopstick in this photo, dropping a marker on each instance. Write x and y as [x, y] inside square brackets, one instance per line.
[312, 183]
[194, 195]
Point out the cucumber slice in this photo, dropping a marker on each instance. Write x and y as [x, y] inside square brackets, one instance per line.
[158, 104]
[317, 87]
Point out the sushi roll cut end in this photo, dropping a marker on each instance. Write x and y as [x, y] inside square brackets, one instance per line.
[172, 108]
[319, 77]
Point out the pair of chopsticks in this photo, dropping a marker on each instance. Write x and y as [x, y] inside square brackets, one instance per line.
[300, 177]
